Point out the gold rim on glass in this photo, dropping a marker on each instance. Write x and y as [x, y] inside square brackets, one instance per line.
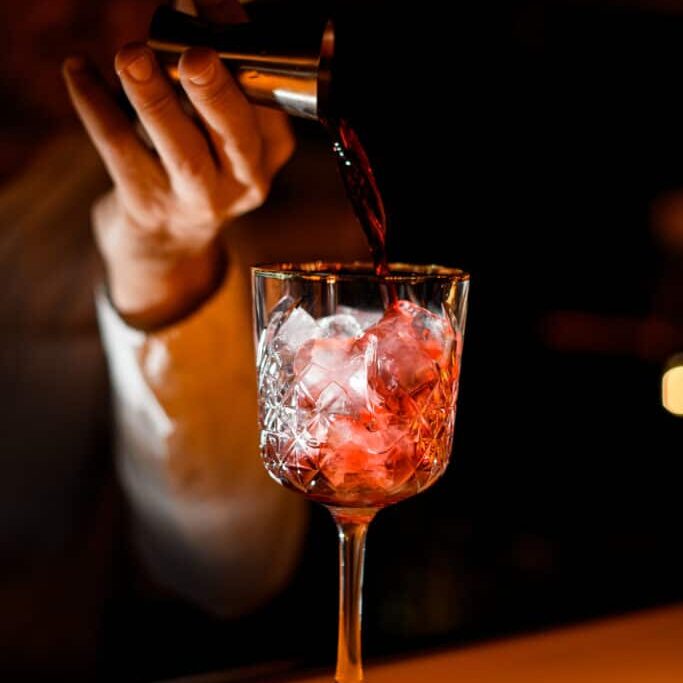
[324, 270]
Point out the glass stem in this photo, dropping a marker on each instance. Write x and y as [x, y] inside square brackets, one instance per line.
[352, 528]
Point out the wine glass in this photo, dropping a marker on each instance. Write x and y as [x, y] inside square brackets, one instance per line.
[357, 386]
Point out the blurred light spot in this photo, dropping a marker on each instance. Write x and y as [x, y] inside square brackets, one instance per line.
[672, 386]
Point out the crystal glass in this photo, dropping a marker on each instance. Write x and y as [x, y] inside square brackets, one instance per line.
[357, 386]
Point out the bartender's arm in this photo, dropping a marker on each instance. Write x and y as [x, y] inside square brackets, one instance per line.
[176, 324]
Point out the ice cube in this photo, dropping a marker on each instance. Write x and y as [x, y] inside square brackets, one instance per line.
[433, 331]
[413, 345]
[363, 317]
[342, 326]
[336, 399]
[295, 331]
[332, 375]
[276, 318]
[367, 455]
[325, 354]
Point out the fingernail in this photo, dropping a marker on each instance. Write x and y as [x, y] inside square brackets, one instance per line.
[206, 76]
[140, 69]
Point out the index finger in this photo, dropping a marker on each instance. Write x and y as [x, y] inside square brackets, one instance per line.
[113, 135]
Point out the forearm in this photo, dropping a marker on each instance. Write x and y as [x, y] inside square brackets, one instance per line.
[185, 400]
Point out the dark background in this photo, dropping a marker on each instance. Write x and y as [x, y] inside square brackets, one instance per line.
[528, 144]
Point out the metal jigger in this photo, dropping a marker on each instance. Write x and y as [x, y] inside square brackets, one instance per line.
[285, 67]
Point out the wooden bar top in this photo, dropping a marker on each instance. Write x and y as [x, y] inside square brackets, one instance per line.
[640, 647]
[644, 647]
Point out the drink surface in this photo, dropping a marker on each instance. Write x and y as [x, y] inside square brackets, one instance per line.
[357, 409]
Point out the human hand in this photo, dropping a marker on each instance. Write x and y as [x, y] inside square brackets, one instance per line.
[157, 229]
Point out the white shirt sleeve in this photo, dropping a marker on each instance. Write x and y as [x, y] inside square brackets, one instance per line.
[210, 522]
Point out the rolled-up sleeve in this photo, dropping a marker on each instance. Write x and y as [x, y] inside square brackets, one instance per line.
[210, 523]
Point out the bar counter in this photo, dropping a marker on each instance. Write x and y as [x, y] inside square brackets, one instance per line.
[640, 647]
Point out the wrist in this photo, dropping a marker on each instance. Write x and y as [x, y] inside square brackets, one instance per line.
[150, 293]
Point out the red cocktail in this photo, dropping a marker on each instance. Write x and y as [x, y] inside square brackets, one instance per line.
[358, 379]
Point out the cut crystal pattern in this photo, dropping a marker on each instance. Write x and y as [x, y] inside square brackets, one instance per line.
[355, 413]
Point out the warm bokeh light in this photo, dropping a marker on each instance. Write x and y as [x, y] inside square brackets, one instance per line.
[672, 386]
